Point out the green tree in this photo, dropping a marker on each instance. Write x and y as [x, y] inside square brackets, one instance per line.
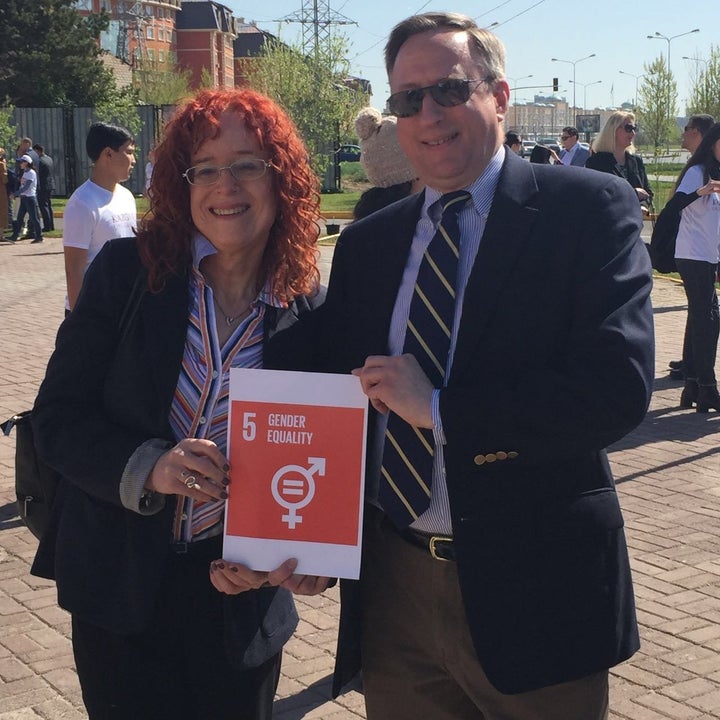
[161, 83]
[657, 104]
[49, 55]
[705, 96]
[313, 90]
[8, 132]
[119, 107]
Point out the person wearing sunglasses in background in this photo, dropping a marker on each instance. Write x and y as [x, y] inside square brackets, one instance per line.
[614, 152]
[495, 580]
[572, 152]
[137, 425]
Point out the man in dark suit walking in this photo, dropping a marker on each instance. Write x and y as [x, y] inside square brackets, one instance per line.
[495, 579]
[46, 187]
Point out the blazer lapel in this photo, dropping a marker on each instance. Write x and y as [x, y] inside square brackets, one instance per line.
[386, 255]
[508, 227]
[164, 317]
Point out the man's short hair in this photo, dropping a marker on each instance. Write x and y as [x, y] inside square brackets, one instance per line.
[38, 148]
[570, 130]
[702, 123]
[486, 47]
[512, 138]
[102, 135]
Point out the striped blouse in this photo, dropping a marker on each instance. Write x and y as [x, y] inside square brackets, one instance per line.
[200, 407]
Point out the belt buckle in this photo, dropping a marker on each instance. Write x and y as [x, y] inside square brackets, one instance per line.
[433, 544]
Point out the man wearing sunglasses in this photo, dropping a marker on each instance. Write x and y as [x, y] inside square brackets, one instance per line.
[572, 152]
[507, 592]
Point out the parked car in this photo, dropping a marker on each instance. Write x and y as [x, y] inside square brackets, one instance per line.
[527, 146]
[551, 143]
[348, 153]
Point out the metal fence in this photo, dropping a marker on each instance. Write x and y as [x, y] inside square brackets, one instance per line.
[62, 132]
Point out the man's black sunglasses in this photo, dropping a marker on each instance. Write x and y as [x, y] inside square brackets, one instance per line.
[448, 93]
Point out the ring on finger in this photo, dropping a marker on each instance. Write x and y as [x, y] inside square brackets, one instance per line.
[191, 482]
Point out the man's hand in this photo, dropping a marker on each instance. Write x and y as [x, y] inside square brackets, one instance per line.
[398, 383]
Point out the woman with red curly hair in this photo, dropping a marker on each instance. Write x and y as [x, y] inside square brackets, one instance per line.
[133, 414]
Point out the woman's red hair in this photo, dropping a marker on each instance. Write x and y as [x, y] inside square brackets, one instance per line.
[290, 260]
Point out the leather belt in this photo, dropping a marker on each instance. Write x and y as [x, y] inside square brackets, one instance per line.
[440, 547]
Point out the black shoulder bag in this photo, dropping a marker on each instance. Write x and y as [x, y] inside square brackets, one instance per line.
[662, 242]
[36, 482]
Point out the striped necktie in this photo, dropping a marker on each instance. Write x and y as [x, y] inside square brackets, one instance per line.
[404, 491]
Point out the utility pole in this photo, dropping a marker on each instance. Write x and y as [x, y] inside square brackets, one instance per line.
[317, 20]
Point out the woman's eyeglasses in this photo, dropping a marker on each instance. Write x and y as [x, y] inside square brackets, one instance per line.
[241, 170]
[629, 127]
[448, 93]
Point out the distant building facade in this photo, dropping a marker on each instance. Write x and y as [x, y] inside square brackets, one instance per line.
[202, 36]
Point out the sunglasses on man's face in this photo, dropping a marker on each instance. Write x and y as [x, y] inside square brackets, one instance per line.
[448, 93]
[630, 127]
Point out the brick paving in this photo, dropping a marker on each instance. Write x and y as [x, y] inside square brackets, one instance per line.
[668, 474]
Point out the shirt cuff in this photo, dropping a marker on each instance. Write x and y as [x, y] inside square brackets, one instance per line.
[438, 432]
[133, 495]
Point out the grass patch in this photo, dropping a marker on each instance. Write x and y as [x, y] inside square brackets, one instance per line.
[329, 203]
[338, 202]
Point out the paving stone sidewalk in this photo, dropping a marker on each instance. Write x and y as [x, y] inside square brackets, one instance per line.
[668, 474]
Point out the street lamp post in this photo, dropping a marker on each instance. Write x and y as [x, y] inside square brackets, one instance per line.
[668, 40]
[585, 86]
[573, 63]
[697, 61]
[515, 82]
[637, 78]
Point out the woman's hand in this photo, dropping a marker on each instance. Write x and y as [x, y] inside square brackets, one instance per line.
[194, 467]
[712, 187]
[234, 578]
[642, 194]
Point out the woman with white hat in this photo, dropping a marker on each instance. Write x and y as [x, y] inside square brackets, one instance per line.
[28, 200]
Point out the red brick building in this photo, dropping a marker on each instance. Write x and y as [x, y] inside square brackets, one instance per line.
[206, 31]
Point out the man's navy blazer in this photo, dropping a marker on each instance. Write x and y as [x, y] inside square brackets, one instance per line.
[99, 402]
[553, 363]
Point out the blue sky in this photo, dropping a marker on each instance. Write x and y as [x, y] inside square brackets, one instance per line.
[533, 31]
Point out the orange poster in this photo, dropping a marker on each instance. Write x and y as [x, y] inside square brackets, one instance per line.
[297, 454]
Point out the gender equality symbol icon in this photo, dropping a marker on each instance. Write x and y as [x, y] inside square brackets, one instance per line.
[286, 487]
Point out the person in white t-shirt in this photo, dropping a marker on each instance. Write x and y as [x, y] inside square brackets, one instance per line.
[697, 250]
[100, 209]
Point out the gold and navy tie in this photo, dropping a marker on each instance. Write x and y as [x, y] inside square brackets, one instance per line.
[406, 477]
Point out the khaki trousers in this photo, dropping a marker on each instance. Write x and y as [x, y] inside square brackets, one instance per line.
[418, 657]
